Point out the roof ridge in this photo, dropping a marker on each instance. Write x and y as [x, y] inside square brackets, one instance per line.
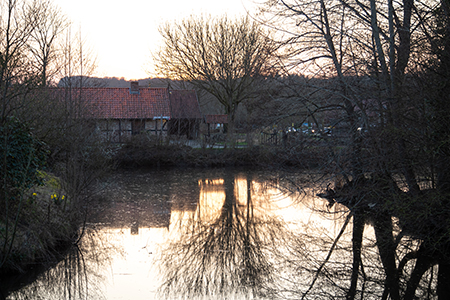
[107, 87]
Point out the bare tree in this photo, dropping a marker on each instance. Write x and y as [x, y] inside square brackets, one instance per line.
[29, 52]
[17, 23]
[76, 145]
[221, 56]
[51, 23]
[373, 50]
[30, 57]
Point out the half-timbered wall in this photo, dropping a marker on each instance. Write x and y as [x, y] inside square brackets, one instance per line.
[119, 131]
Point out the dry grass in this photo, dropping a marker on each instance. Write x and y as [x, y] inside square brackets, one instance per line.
[44, 224]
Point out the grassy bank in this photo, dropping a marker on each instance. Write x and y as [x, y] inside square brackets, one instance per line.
[132, 156]
[44, 227]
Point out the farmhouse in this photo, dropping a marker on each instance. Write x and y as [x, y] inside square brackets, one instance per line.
[119, 113]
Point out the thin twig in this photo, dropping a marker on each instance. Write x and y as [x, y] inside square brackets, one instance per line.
[329, 254]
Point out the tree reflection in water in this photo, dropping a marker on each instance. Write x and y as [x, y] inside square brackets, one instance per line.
[77, 275]
[246, 249]
[241, 235]
[224, 250]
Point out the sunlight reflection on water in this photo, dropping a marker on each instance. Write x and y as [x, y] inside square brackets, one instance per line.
[189, 234]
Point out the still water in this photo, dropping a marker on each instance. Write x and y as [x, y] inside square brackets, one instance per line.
[205, 234]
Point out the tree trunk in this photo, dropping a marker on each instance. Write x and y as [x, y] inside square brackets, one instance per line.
[358, 230]
[423, 263]
[443, 288]
[442, 109]
[386, 247]
[230, 127]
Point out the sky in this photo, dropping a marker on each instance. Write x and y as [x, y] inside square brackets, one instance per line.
[123, 34]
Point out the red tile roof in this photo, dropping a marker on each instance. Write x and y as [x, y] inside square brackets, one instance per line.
[216, 119]
[119, 103]
[184, 104]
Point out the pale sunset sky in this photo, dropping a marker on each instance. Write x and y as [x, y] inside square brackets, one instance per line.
[122, 34]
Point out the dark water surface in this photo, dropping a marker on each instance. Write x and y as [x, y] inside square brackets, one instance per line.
[200, 234]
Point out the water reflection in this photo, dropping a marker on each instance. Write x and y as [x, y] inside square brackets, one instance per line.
[221, 248]
[211, 234]
[78, 275]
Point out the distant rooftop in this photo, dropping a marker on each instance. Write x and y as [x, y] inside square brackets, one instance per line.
[136, 102]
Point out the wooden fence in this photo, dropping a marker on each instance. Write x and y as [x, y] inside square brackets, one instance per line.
[270, 138]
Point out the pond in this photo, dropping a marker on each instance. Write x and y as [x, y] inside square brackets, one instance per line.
[210, 234]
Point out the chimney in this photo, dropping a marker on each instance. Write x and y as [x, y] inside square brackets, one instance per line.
[134, 87]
